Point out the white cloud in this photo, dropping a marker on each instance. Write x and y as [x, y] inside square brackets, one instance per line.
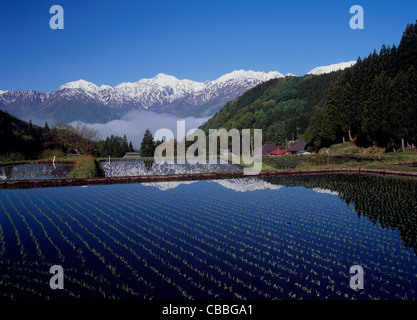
[134, 123]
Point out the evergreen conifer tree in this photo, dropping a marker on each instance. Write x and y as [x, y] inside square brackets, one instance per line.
[147, 147]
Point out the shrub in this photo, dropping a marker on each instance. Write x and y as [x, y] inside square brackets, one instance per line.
[12, 157]
[86, 167]
[50, 153]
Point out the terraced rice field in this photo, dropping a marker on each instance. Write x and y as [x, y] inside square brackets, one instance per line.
[201, 240]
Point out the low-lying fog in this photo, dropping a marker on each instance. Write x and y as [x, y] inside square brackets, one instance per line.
[134, 123]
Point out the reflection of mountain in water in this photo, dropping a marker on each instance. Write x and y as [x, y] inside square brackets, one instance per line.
[238, 185]
[34, 171]
[247, 184]
[326, 191]
[140, 168]
[167, 185]
[391, 201]
[150, 167]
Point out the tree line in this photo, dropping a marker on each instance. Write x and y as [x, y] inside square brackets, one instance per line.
[373, 103]
[20, 140]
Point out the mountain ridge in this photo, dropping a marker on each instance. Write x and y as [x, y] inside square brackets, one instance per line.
[163, 94]
[282, 108]
[85, 101]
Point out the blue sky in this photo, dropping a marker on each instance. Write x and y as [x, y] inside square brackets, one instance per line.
[109, 42]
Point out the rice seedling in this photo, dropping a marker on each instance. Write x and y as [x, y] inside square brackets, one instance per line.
[295, 242]
[28, 227]
[16, 232]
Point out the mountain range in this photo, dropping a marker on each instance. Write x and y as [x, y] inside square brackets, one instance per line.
[85, 101]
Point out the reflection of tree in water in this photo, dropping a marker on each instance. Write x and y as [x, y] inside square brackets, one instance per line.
[8, 171]
[35, 171]
[133, 168]
[390, 200]
[148, 164]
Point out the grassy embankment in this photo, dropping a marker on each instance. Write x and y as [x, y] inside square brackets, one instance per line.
[86, 167]
[60, 159]
[346, 155]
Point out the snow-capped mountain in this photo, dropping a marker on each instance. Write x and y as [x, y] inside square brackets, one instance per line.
[331, 68]
[88, 102]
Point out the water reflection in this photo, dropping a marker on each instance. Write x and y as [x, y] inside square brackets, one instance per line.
[149, 164]
[34, 171]
[238, 185]
[391, 201]
[150, 167]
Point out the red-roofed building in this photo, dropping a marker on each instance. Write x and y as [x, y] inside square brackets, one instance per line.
[279, 152]
[266, 148]
[299, 146]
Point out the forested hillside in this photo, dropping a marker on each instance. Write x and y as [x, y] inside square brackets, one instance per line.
[374, 102]
[281, 107]
[19, 137]
[21, 140]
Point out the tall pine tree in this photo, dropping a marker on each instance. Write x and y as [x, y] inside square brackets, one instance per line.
[147, 146]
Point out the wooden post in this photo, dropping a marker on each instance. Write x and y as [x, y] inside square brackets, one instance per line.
[350, 136]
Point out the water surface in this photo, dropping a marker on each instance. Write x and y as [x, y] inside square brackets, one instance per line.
[34, 171]
[150, 167]
[289, 238]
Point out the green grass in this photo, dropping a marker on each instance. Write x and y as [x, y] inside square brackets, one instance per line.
[394, 161]
[124, 159]
[351, 148]
[12, 161]
[400, 161]
[86, 167]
